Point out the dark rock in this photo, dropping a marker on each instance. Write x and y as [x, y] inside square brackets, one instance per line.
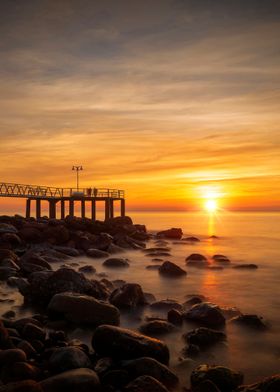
[87, 269]
[127, 296]
[245, 266]
[173, 233]
[27, 347]
[197, 260]
[31, 234]
[156, 327]
[204, 337]
[10, 314]
[191, 351]
[116, 263]
[7, 272]
[206, 313]
[224, 378]
[251, 321]
[67, 358]
[145, 384]
[9, 263]
[155, 250]
[56, 234]
[83, 309]
[103, 365]
[5, 342]
[122, 343]
[19, 371]
[196, 299]
[117, 378]
[151, 367]
[221, 259]
[10, 356]
[8, 254]
[191, 239]
[7, 228]
[149, 298]
[207, 386]
[171, 270]
[33, 332]
[76, 380]
[175, 317]
[153, 267]
[67, 250]
[166, 305]
[22, 386]
[21, 323]
[269, 384]
[97, 253]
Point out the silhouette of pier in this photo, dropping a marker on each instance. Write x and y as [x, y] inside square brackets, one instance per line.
[60, 197]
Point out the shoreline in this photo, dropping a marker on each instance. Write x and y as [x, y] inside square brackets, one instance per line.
[29, 248]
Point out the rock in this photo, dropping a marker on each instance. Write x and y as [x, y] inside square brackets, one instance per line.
[103, 365]
[191, 239]
[87, 269]
[97, 253]
[76, 380]
[127, 296]
[113, 248]
[245, 266]
[21, 323]
[269, 384]
[9, 263]
[156, 327]
[145, 384]
[33, 332]
[193, 300]
[122, 343]
[30, 234]
[27, 347]
[117, 378]
[8, 254]
[67, 358]
[173, 233]
[20, 371]
[175, 317]
[171, 270]
[57, 234]
[206, 313]
[153, 267]
[197, 260]
[204, 337]
[84, 309]
[166, 305]
[7, 272]
[22, 386]
[116, 263]
[149, 298]
[151, 367]
[5, 342]
[191, 351]
[251, 321]
[10, 356]
[206, 386]
[221, 259]
[224, 378]
[67, 250]
[10, 314]
[7, 228]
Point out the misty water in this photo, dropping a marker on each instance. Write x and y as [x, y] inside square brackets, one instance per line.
[244, 238]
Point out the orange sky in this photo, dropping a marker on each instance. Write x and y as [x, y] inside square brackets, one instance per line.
[168, 100]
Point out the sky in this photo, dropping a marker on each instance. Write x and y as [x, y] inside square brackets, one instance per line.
[174, 101]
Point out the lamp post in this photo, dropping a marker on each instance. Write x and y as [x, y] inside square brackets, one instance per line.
[77, 169]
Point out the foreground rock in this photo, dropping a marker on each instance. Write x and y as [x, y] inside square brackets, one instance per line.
[173, 233]
[128, 296]
[204, 337]
[224, 378]
[246, 266]
[77, 380]
[120, 343]
[156, 327]
[197, 260]
[169, 269]
[67, 358]
[166, 305]
[251, 321]
[269, 384]
[116, 263]
[206, 313]
[83, 309]
[145, 384]
[22, 386]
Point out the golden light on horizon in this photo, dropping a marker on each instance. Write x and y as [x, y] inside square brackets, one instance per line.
[211, 205]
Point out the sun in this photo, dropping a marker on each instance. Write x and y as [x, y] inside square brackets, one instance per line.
[211, 205]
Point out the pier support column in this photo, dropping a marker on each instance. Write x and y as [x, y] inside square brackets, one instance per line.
[28, 208]
[122, 207]
[71, 208]
[111, 208]
[62, 209]
[83, 208]
[52, 209]
[93, 210]
[107, 208]
[38, 208]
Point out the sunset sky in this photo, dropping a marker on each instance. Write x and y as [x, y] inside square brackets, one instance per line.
[171, 100]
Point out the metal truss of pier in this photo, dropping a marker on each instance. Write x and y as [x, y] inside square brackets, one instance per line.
[63, 196]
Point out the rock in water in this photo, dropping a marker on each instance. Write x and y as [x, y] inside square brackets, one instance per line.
[174, 233]
[156, 327]
[251, 321]
[77, 380]
[206, 313]
[269, 384]
[197, 260]
[145, 384]
[224, 378]
[127, 296]
[171, 270]
[84, 309]
[122, 343]
[67, 358]
[204, 337]
[114, 262]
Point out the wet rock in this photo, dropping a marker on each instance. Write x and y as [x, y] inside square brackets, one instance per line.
[97, 253]
[33, 258]
[157, 260]
[269, 384]
[113, 248]
[207, 386]
[10, 314]
[166, 305]
[7, 272]
[33, 332]
[156, 327]
[149, 298]
[221, 259]
[204, 337]
[127, 296]
[83, 309]
[58, 234]
[122, 343]
[145, 384]
[116, 263]
[151, 367]
[28, 268]
[8, 254]
[117, 378]
[197, 260]
[191, 239]
[175, 317]
[224, 378]
[20, 371]
[27, 347]
[103, 365]
[10, 356]
[193, 300]
[206, 313]
[9, 263]
[67, 358]
[174, 233]
[157, 249]
[251, 321]
[76, 380]
[87, 269]
[191, 351]
[31, 234]
[67, 250]
[7, 228]
[22, 386]
[171, 270]
[246, 266]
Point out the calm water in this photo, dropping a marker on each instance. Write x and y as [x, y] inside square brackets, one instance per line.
[244, 238]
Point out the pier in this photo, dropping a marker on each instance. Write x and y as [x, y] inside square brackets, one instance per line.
[61, 198]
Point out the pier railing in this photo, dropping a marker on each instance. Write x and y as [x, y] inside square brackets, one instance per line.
[39, 191]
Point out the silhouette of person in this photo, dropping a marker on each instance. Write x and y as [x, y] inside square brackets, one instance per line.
[89, 191]
[95, 192]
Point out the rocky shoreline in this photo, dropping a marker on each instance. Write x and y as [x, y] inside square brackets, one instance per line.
[36, 353]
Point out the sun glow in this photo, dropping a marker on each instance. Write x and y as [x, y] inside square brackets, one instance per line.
[211, 205]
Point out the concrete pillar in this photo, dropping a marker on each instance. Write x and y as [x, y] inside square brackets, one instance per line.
[38, 208]
[83, 208]
[107, 208]
[122, 207]
[28, 208]
[111, 208]
[71, 208]
[52, 209]
[93, 210]
[62, 209]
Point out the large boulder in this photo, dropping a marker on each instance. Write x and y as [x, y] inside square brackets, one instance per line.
[204, 337]
[172, 270]
[225, 379]
[10, 356]
[115, 262]
[269, 384]
[76, 380]
[122, 343]
[127, 296]
[250, 321]
[174, 233]
[67, 358]
[145, 384]
[78, 308]
[206, 313]
[197, 260]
